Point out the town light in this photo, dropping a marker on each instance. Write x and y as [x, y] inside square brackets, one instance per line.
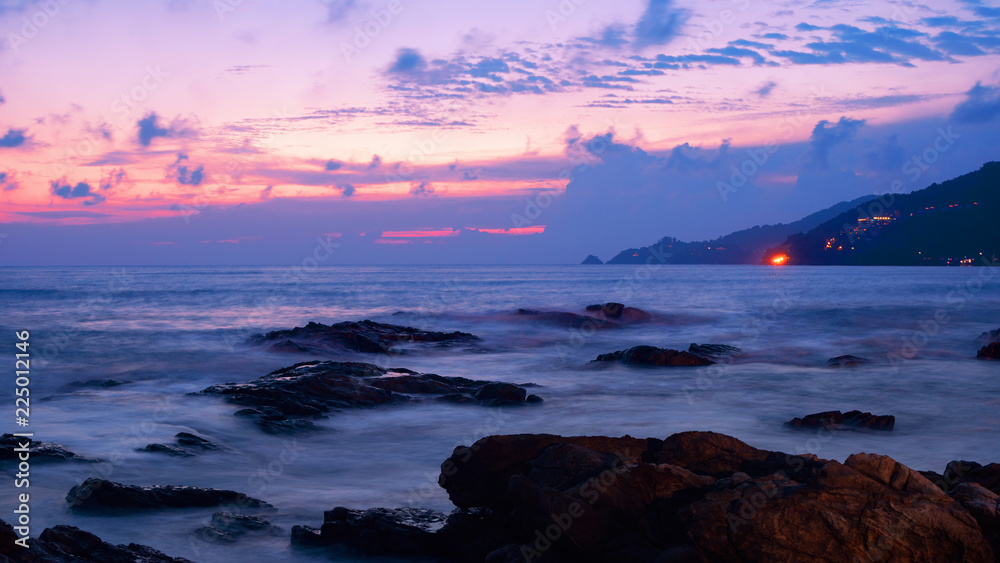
[779, 259]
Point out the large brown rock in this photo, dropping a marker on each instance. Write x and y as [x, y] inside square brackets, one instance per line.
[990, 352]
[850, 420]
[653, 356]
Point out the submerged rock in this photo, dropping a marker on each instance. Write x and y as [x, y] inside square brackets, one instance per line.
[100, 494]
[567, 320]
[851, 420]
[284, 400]
[166, 449]
[695, 496]
[847, 361]
[990, 351]
[188, 445]
[713, 350]
[62, 544]
[619, 312]
[227, 527]
[365, 336]
[653, 356]
[39, 451]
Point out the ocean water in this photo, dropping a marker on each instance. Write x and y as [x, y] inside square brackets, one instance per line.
[169, 332]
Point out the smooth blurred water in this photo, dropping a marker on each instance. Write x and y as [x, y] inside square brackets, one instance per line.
[173, 331]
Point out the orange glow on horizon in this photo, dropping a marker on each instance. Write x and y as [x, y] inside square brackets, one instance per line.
[779, 260]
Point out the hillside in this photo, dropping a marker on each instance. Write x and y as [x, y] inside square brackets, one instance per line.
[741, 247]
[952, 223]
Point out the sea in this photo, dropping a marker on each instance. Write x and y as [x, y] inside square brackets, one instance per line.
[166, 333]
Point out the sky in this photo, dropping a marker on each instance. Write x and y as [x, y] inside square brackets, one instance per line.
[446, 131]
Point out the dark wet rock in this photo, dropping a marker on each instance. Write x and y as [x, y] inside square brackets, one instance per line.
[846, 362]
[713, 350]
[653, 356]
[695, 496]
[984, 505]
[39, 451]
[400, 531]
[190, 440]
[166, 449]
[851, 420]
[227, 527]
[533, 399]
[188, 445]
[93, 384]
[989, 336]
[567, 320]
[63, 544]
[592, 260]
[960, 471]
[619, 312]
[100, 494]
[283, 401]
[365, 336]
[990, 351]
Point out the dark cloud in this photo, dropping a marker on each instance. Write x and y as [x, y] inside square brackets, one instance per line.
[13, 138]
[614, 36]
[850, 44]
[266, 192]
[149, 128]
[113, 179]
[765, 89]
[776, 36]
[338, 11]
[659, 24]
[421, 189]
[2, 99]
[407, 61]
[739, 52]
[376, 162]
[182, 173]
[827, 135]
[332, 165]
[8, 182]
[346, 190]
[982, 104]
[65, 190]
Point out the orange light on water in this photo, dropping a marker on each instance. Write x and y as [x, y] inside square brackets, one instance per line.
[779, 259]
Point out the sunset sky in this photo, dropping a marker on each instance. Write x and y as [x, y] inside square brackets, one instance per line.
[440, 131]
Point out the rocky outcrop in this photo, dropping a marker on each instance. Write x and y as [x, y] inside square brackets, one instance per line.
[653, 356]
[592, 260]
[846, 362]
[228, 527]
[39, 451]
[695, 496]
[62, 544]
[100, 494]
[284, 400]
[851, 420]
[990, 351]
[618, 312]
[365, 336]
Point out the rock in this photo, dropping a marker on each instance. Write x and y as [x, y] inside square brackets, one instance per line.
[851, 420]
[98, 494]
[283, 400]
[713, 350]
[227, 527]
[990, 351]
[365, 336]
[501, 394]
[40, 451]
[652, 356]
[568, 320]
[400, 531]
[619, 312]
[989, 337]
[166, 449]
[591, 259]
[190, 440]
[984, 505]
[695, 496]
[846, 362]
[93, 384]
[959, 472]
[61, 544]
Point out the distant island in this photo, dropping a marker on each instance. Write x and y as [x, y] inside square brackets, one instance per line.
[949, 224]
